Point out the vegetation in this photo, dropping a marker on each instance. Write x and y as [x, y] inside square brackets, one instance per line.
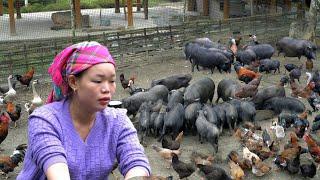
[57, 5]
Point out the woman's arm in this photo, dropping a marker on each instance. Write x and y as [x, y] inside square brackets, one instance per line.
[58, 171]
[136, 171]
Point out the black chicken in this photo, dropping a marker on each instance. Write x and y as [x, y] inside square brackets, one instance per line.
[293, 165]
[266, 138]
[308, 170]
[169, 143]
[301, 125]
[8, 163]
[183, 169]
[316, 123]
[213, 172]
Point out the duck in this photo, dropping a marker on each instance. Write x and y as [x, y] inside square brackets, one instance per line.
[11, 94]
[36, 101]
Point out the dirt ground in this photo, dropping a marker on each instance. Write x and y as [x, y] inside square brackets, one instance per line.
[169, 64]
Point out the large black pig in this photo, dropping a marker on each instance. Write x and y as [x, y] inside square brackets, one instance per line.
[227, 89]
[263, 51]
[202, 89]
[291, 47]
[289, 104]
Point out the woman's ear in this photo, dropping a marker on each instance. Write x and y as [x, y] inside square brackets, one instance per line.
[72, 82]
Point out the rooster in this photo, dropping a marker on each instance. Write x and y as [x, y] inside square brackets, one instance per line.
[4, 125]
[198, 158]
[301, 92]
[14, 112]
[126, 82]
[26, 78]
[8, 163]
[183, 169]
[313, 147]
[245, 74]
[170, 144]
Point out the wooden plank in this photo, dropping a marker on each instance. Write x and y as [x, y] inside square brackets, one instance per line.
[11, 18]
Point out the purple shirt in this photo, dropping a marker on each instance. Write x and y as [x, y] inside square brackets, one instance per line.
[54, 139]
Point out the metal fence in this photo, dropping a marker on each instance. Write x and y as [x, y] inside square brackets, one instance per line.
[137, 45]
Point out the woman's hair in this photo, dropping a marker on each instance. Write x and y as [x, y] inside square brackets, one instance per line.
[74, 60]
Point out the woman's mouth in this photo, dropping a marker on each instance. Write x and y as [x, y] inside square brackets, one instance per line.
[104, 101]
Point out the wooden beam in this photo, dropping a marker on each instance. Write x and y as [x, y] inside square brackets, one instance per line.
[1, 7]
[18, 9]
[130, 13]
[138, 5]
[287, 5]
[11, 18]
[145, 9]
[191, 5]
[117, 6]
[206, 7]
[273, 6]
[77, 10]
[251, 7]
[226, 6]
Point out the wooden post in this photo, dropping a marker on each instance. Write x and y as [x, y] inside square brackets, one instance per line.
[77, 10]
[130, 13]
[117, 6]
[1, 7]
[139, 5]
[273, 7]
[145, 9]
[251, 7]
[191, 5]
[206, 7]
[73, 27]
[11, 18]
[226, 6]
[18, 8]
[287, 4]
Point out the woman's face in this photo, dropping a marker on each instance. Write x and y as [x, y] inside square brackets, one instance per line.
[96, 86]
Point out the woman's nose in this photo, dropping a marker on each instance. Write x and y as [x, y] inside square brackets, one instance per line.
[105, 88]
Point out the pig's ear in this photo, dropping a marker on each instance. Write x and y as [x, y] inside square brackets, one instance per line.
[250, 35]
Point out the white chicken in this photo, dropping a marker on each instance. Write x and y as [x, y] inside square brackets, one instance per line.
[247, 154]
[279, 130]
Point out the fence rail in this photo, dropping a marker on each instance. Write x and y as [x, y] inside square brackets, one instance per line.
[133, 46]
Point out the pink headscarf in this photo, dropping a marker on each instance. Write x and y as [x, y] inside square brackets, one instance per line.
[73, 60]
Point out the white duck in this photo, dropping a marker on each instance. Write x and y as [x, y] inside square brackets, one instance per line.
[279, 130]
[36, 101]
[11, 94]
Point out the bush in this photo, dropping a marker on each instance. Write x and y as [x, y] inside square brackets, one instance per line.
[36, 7]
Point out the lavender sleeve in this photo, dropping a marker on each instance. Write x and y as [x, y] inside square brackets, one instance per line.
[130, 153]
[46, 147]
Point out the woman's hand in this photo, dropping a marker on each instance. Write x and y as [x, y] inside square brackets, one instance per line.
[58, 171]
[136, 171]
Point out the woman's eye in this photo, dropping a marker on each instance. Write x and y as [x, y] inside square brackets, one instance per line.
[96, 81]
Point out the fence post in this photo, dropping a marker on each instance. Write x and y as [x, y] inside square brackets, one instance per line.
[220, 28]
[25, 54]
[55, 48]
[10, 63]
[104, 38]
[89, 37]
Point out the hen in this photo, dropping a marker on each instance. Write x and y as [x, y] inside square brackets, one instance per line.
[244, 74]
[198, 158]
[287, 155]
[235, 170]
[170, 144]
[259, 168]
[293, 165]
[313, 147]
[183, 169]
[14, 112]
[213, 172]
[26, 78]
[243, 163]
[8, 163]
[125, 82]
[166, 153]
[308, 170]
[4, 125]
[297, 91]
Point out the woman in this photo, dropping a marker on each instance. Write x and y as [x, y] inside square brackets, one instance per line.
[74, 136]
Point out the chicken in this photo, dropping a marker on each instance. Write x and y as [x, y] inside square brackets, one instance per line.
[170, 144]
[4, 125]
[5, 88]
[243, 163]
[309, 64]
[264, 153]
[166, 153]
[293, 142]
[244, 74]
[26, 78]
[250, 89]
[316, 123]
[251, 126]
[293, 165]
[8, 163]
[125, 82]
[248, 155]
[297, 91]
[198, 158]
[287, 155]
[300, 126]
[266, 138]
[279, 130]
[183, 169]
[259, 168]
[14, 112]
[308, 170]
[133, 90]
[235, 171]
[313, 147]
[213, 172]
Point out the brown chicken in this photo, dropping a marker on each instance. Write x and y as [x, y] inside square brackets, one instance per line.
[125, 82]
[198, 158]
[244, 73]
[26, 78]
[250, 89]
[287, 155]
[297, 91]
[166, 153]
[259, 168]
[313, 147]
[293, 142]
[251, 126]
[309, 65]
[153, 178]
[14, 112]
[235, 171]
[8, 163]
[243, 163]
[4, 125]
